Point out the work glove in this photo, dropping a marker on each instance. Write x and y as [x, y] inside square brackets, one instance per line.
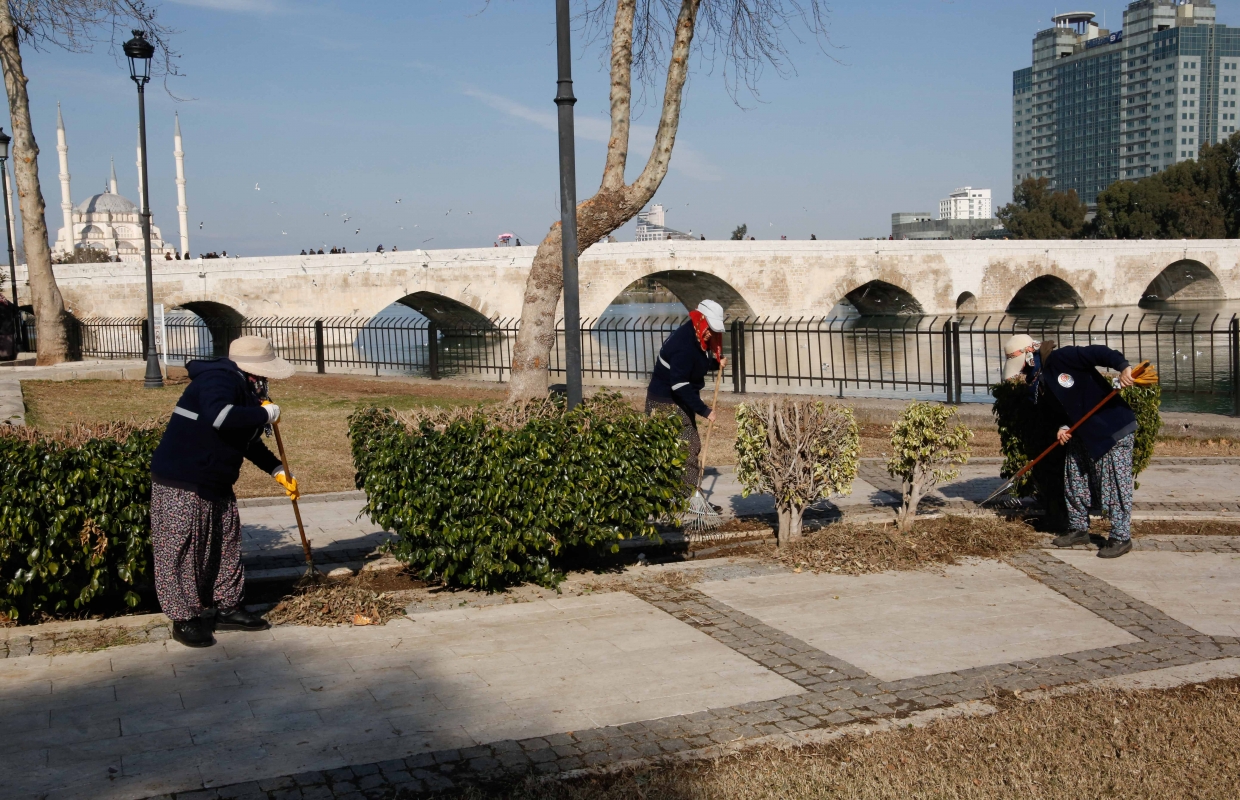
[288, 482]
[273, 411]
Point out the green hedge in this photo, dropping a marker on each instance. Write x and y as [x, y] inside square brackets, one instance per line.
[487, 497]
[74, 518]
[1024, 433]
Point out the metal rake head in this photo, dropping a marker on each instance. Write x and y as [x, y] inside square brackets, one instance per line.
[701, 515]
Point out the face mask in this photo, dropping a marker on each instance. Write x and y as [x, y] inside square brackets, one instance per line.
[1029, 358]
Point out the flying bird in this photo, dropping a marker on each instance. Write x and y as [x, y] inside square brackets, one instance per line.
[446, 213]
[398, 199]
[256, 188]
[356, 232]
[199, 226]
[284, 233]
[424, 241]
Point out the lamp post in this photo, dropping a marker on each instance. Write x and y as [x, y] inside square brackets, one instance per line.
[568, 205]
[8, 235]
[139, 52]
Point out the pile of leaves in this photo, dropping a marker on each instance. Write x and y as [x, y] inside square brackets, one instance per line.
[487, 497]
[858, 549]
[344, 602]
[74, 518]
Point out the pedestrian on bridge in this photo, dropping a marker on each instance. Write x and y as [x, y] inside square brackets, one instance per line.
[1064, 383]
[692, 350]
[195, 527]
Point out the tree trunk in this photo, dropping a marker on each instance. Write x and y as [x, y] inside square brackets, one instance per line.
[791, 522]
[913, 489]
[49, 306]
[613, 205]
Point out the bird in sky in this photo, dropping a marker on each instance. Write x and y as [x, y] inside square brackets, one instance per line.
[398, 199]
[446, 213]
[468, 213]
[356, 232]
[424, 241]
[284, 233]
[199, 226]
[256, 188]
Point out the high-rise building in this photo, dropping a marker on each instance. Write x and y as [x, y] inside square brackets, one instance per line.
[966, 203]
[1099, 106]
[652, 227]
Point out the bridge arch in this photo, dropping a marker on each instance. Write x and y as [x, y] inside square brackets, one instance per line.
[446, 312]
[1046, 291]
[1184, 280]
[224, 323]
[693, 286]
[966, 303]
[880, 298]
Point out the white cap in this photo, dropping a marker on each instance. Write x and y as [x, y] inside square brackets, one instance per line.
[713, 313]
[1014, 349]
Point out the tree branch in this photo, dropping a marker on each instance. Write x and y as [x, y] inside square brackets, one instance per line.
[621, 96]
[673, 97]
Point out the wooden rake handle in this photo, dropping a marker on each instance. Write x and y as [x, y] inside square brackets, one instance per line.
[305, 544]
[710, 427]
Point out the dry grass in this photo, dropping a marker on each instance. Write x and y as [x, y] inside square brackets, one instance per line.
[315, 410]
[1185, 447]
[1178, 743]
[1186, 527]
[858, 549]
[340, 602]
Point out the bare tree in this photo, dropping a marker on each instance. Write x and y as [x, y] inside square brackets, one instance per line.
[73, 25]
[743, 36]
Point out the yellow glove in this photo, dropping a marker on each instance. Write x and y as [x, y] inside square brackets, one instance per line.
[273, 412]
[288, 482]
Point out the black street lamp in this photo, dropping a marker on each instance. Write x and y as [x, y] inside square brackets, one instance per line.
[8, 233]
[140, 51]
[568, 205]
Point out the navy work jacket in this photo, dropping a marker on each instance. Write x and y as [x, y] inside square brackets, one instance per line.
[680, 372]
[1071, 375]
[218, 421]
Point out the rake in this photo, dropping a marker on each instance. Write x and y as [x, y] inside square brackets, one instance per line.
[701, 515]
[1144, 375]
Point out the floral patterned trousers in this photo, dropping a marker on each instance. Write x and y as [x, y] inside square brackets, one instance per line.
[1105, 484]
[688, 433]
[197, 545]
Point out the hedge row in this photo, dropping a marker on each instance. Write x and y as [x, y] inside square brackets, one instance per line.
[74, 518]
[488, 497]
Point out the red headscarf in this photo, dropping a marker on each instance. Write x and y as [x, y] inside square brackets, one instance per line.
[711, 341]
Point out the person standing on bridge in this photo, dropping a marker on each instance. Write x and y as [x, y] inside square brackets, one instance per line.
[692, 350]
[195, 527]
[1064, 382]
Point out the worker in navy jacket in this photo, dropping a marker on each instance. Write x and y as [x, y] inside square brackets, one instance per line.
[1065, 382]
[693, 350]
[195, 528]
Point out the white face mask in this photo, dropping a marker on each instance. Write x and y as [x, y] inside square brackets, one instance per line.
[1029, 358]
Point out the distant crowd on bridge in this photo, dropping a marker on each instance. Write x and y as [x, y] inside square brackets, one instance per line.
[335, 251]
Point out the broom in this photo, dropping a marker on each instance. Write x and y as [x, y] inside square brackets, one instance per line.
[1144, 375]
[701, 515]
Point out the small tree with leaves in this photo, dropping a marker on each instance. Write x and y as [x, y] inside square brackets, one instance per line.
[927, 443]
[741, 231]
[801, 451]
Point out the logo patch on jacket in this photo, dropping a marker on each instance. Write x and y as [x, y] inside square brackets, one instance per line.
[1066, 380]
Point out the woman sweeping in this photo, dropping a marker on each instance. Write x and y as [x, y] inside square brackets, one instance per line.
[195, 528]
[692, 350]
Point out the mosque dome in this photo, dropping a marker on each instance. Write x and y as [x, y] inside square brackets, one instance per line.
[107, 202]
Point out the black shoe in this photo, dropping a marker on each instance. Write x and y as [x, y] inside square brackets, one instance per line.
[1114, 548]
[239, 620]
[192, 633]
[1071, 538]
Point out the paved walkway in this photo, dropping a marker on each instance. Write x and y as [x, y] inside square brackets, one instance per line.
[664, 660]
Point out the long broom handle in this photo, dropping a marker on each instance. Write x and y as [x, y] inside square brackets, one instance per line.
[305, 544]
[710, 428]
[1140, 370]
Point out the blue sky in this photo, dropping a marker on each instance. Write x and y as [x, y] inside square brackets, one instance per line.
[342, 108]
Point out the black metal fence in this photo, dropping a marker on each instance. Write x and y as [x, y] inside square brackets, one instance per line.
[956, 358]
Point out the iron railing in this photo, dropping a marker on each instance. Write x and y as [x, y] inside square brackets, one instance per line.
[956, 358]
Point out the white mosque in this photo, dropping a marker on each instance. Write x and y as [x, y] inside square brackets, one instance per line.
[110, 222]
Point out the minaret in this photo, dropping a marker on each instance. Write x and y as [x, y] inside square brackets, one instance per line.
[182, 206]
[112, 188]
[66, 204]
[141, 188]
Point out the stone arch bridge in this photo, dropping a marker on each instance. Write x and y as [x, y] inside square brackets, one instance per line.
[775, 279]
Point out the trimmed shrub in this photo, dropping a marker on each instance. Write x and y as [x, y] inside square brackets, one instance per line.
[488, 497]
[799, 451]
[927, 443]
[1024, 434]
[74, 518]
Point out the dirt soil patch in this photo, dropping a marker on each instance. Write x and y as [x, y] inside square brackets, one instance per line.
[1185, 527]
[314, 416]
[858, 549]
[1173, 743]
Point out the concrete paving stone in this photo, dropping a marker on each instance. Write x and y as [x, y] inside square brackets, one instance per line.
[1200, 590]
[897, 625]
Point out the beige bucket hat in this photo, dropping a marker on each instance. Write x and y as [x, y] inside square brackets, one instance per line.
[1014, 349]
[255, 355]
